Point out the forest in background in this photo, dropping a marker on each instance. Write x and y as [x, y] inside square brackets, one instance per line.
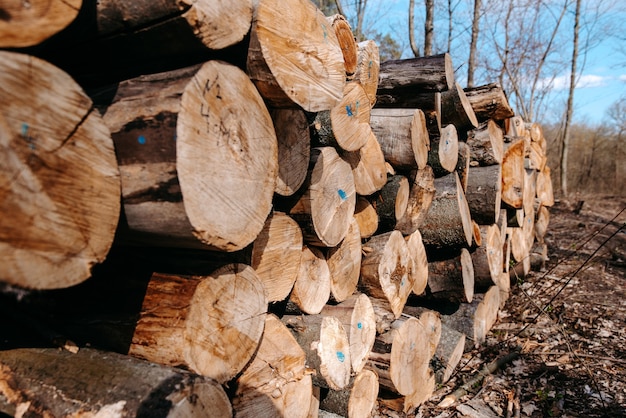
[525, 46]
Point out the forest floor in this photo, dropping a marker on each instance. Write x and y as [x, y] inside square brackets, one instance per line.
[568, 323]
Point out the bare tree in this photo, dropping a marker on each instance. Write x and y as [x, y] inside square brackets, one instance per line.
[429, 27]
[414, 48]
[471, 63]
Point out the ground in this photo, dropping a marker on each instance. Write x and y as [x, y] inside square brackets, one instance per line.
[567, 321]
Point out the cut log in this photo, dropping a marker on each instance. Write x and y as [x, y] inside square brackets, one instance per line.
[402, 135]
[350, 118]
[275, 382]
[419, 269]
[542, 220]
[368, 166]
[111, 41]
[326, 208]
[515, 127]
[486, 143]
[448, 222]
[357, 400]
[325, 342]
[545, 193]
[530, 191]
[475, 319]
[513, 175]
[457, 110]
[484, 193]
[186, 159]
[344, 264]
[463, 165]
[348, 45]
[368, 68]
[294, 56]
[356, 314]
[27, 24]
[276, 255]
[60, 178]
[489, 102]
[391, 202]
[453, 278]
[294, 149]
[366, 216]
[421, 194]
[55, 383]
[312, 288]
[444, 151]
[385, 269]
[487, 259]
[423, 74]
[201, 320]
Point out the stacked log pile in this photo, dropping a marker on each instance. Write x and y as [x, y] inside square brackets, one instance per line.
[233, 205]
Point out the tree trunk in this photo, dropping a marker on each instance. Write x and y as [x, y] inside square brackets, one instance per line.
[348, 45]
[486, 143]
[391, 202]
[294, 149]
[326, 208]
[489, 101]
[357, 400]
[448, 223]
[444, 151]
[28, 24]
[429, 27]
[424, 74]
[412, 43]
[368, 68]
[452, 279]
[356, 314]
[368, 165]
[471, 62]
[192, 174]
[484, 193]
[366, 216]
[421, 193]
[419, 269]
[275, 382]
[402, 135]
[294, 56]
[312, 288]
[513, 175]
[344, 264]
[325, 343]
[60, 177]
[52, 382]
[385, 269]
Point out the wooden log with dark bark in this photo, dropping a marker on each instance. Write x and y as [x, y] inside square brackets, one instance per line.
[402, 135]
[348, 44]
[486, 143]
[294, 149]
[448, 222]
[484, 193]
[111, 41]
[444, 151]
[27, 24]
[489, 101]
[368, 165]
[60, 178]
[405, 77]
[294, 58]
[186, 159]
[463, 165]
[457, 110]
[391, 202]
[368, 68]
[276, 381]
[344, 263]
[311, 290]
[357, 399]
[385, 269]
[487, 259]
[453, 278]
[421, 194]
[326, 345]
[51, 382]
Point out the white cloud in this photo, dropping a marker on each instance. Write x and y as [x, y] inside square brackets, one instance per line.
[622, 77]
[584, 81]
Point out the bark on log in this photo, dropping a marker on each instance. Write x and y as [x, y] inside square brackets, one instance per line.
[276, 255]
[513, 175]
[463, 165]
[27, 24]
[294, 149]
[326, 208]
[391, 202]
[489, 102]
[348, 45]
[366, 216]
[444, 151]
[186, 159]
[421, 194]
[357, 400]
[60, 179]
[275, 382]
[385, 269]
[368, 68]
[487, 259]
[325, 343]
[423, 74]
[211, 325]
[452, 279]
[457, 110]
[344, 264]
[484, 193]
[448, 221]
[111, 41]
[311, 290]
[486, 143]
[356, 314]
[55, 383]
[294, 56]
[419, 269]
[368, 166]
[402, 135]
